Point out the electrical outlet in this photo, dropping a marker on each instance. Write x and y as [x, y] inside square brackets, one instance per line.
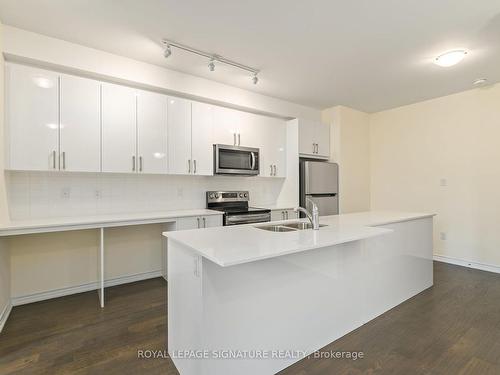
[65, 192]
[442, 236]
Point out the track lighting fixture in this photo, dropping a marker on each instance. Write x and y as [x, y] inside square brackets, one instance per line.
[168, 51]
[211, 65]
[212, 58]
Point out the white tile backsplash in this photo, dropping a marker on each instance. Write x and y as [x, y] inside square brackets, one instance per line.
[37, 195]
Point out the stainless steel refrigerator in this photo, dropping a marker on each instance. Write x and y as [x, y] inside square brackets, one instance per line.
[319, 181]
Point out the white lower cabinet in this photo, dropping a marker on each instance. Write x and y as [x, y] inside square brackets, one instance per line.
[285, 214]
[198, 222]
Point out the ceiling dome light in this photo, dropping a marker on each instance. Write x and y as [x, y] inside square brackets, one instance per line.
[168, 51]
[480, 81]
[450, 58]
[211, 65]
[255, 79]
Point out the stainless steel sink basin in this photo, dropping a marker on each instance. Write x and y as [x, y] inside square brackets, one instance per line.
[276, 228]
[301, 225]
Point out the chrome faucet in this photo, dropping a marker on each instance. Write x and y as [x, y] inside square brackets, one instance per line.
[313, 217]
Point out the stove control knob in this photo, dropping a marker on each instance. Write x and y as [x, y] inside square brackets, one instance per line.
[217, 195]
[211, 195]
[246, 195]
[241, 195]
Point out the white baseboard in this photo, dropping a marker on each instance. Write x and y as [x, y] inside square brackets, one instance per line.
[36, 297]
[5, 314]
[467, 263]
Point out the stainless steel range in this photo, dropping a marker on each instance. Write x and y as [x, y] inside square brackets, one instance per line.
[234, 204]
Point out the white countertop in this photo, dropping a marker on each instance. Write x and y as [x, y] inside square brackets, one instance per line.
[227, 246]
[99, 221]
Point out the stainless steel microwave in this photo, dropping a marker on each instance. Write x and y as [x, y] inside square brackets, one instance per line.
[236, 160]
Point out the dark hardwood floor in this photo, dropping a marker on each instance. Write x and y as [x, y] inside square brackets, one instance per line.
[451, 328]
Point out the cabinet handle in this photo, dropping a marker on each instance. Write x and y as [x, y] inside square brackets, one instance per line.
[140, 163]
[204, 222]
[133, 163]
[198, 220]
[189, 168]
[239, 139]
[234, 139]
[64, 160]
[274, 167]
[194, 166]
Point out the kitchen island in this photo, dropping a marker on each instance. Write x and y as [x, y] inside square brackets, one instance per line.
[244, 300]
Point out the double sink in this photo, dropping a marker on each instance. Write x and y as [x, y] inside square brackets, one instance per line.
[288, 227]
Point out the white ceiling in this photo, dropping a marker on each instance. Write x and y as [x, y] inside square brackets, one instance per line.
[366, 54]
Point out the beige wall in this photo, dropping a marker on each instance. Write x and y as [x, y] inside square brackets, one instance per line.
[51, 261]
[350, 149]
[452, 141]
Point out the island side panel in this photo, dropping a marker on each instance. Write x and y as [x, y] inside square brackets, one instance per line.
[401, 265]
[304, 301]
[184, 305]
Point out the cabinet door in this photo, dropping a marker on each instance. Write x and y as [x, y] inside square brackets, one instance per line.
[277, 215]
[151, 132]
[80, 128]
[225, 126]
[179, 136]
[291, 214]
[249, 131]
[322, 138]
[184, 223]
[306, 137]
[272, 147]
[118, 129]
[212, 221]
[202, 138]
[32, 118]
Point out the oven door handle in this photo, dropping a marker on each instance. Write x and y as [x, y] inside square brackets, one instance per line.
[252, 155]
[251, 218]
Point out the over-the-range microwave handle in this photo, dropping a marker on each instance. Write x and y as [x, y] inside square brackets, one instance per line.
[252, 166]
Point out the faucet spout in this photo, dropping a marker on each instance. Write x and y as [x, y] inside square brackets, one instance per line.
[313, 217]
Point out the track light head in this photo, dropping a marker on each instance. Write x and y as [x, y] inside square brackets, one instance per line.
[211, 65]
[168, 51]
[255, 79]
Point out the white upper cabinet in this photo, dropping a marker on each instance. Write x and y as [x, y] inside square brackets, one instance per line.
[118, 129]
[202, 138]
[314, 139]
[32, 118]
[151, 132]
[226, 126]
[80, 127]
[62, 122]
[273, 147]
[179, 136]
